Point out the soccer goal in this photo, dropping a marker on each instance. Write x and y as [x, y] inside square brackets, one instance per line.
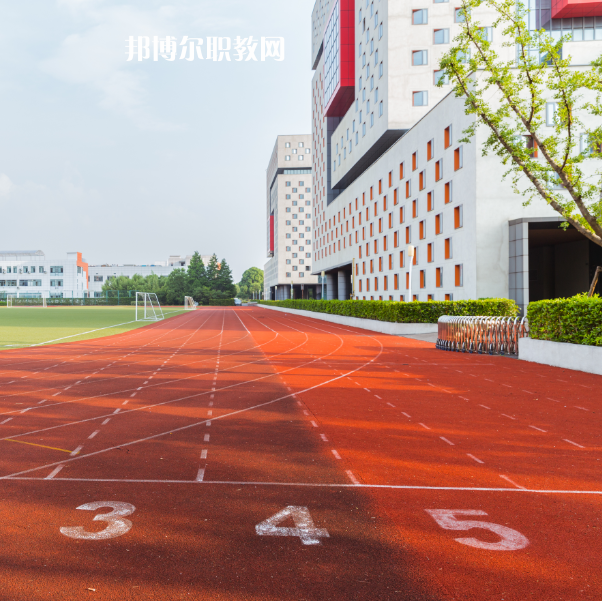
[12, 300]
[148, 307]
[190, 304]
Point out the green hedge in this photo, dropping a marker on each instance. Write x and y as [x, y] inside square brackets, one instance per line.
[414, 312]
[219, 302]
[577, 320]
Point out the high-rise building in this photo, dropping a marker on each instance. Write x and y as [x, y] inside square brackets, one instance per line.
[289, 189]
[390, 171]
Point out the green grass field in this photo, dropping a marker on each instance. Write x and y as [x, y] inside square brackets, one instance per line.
[21, 326]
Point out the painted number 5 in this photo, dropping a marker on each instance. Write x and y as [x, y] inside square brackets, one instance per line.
[117, 525]
[447, 518]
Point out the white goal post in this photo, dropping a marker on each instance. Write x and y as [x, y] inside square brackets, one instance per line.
[12, 300]
[190, 304]
[148, 307]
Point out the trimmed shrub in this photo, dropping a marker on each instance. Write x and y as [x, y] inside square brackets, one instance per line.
[414, 312]
[219, 302]
[577, 320]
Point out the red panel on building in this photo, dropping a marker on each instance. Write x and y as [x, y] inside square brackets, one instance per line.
[340, 55]
[576, 8]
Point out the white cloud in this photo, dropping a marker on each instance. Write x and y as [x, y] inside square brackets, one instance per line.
[5, 185]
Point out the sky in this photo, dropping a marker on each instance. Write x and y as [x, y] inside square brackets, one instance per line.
[131, 161]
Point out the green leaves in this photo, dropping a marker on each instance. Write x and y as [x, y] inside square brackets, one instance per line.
[577, 320]
[414, 312]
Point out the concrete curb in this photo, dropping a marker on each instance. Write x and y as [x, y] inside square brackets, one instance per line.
[561, 354]
[383, 327]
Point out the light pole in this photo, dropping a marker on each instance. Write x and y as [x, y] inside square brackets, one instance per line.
[323, 276]
[411, 253]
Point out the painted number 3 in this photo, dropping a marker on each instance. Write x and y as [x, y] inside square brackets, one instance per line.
[116, 521]
[511, 540]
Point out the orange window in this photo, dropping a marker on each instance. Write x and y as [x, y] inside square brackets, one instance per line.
[356, 204]
[396, 282]
[447, 136]
[395, 196]
[386, 283]
[408, 188]
[375, 209]
[356, 238]
[429, 150]
[448, 192]
[364, 267]
[448, 297]
[407, 280]
[385, 243]
[459, 275]
[380, 225]
[363, 233]
[390, 261]
[422, 278]
[429, 252]
[458, 217]
[414, 161]
[532, 145]
[422, 230]
[415, 208]
[438, 277]
[438, 223]
[375, 284]
[357, 269]
[422, 180]
[380, 263]
[371, 193]
[371, 229]
[438, 170]
[380, 186]
[390, 179]
[384, 203]
[408, 235]
[400, 170]
[361, 254]
[360, 285]
[458, 158]
[390, 220]
[376, 246]
[448, 248]
[429, 201]
[367, 249]
[401, 215]
[402, 259]
[367, 284]
[363, 198]
[396, 239]
[371, 265]
[415, 259]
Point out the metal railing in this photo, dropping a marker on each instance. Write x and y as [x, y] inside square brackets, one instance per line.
[492, 335]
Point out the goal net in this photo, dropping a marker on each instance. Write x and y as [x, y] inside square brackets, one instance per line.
[190, 304]
[12, 300]
[148, 307]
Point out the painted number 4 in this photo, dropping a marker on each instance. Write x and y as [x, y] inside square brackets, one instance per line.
[304, 526]
[511, 540]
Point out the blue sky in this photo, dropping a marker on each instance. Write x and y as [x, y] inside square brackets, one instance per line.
[133, 161]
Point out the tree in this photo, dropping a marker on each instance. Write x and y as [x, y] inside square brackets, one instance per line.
[251, 281]
[212, 270]
[511, 98]
[224, 285]
[176, 287]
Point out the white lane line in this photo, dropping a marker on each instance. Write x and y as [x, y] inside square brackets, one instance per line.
[314, 424]
[574, 443]
[300, 403]
[93, 435]
[336, 454]
[404, 413]
[139, 388]
[507, 385]
[77, 450]
[512, 482]
[352, 477]
[42, 401]
[26, 410]
[208, 423]
[210, 403]
[367, 389]
[6, 420]
[54, 472]
[305, 412]
[528, 392]
[538, 429]
[509, 416]
[549, 399]
[463, 398]
[390, 405]
[377, 397]
[117, 411]
[484, 406]
[475, 458]
[206, 438]
[209, 413]
[447, 441]
[200, 475]
[420, 424]
[106, 421]
[57, 393]
[125, 402]
[204, 454]
[133, 394]
[582, 408]
[323, 437]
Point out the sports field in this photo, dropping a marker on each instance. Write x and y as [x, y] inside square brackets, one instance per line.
[25, 326]
[243, 454]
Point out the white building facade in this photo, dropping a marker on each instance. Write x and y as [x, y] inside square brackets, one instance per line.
[289, 190]
[390, 172]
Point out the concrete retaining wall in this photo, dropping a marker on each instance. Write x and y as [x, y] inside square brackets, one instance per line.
[384, 327]
[561, 354]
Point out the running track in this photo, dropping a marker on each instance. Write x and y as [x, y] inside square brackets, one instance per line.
[195, 431]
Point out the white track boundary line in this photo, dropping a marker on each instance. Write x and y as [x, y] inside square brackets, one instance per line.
[312, 485]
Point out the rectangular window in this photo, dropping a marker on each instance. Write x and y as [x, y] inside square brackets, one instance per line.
[429, 150]
[396, 239]
[551, 110]
[438, 170]
[390, 261]
[422, 278]
[407, 280]
[408, 188]
[438, 277]
[414, 161]
[408, 234]
[380, 186]
[531, 144]
[459, 275]
[458, 158]
[439, 223]
[420, 17]
[390, 179]
[448, 248]
[458, 217]
[386, 283]
[422, 230]
[447, 135]
[419, 57]
[390, 220]
[422, 180]
[396, 282]
[459, 15]
[98, 278]
[375, 284]
[487, 33]
[402, 259]
[380, 263]
[420, 98]
[402, 215]
[430, 205]
[414, 208]
[440, 77]
[380, 225]
[400, 171]
[441, 36]
[448, 192]
[449, 297]
[55, 270]
[429, 252]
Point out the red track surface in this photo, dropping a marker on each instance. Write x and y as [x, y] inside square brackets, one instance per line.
[210, 423]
